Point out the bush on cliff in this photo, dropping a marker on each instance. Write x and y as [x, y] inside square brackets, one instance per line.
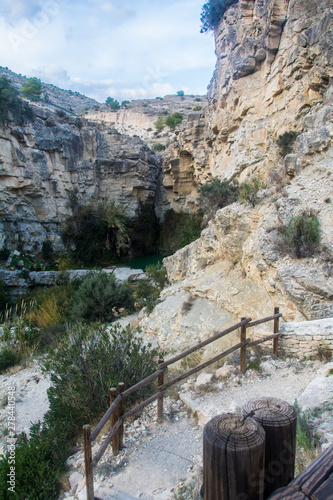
[217, 194]
[11, 106]
[212, 13]
[301, 236]
[248, 191]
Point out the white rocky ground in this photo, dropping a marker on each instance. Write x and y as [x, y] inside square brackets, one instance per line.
[157, 458]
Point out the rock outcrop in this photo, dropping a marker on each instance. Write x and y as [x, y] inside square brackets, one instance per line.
[273, 75]
[72, 101]
[47, 158]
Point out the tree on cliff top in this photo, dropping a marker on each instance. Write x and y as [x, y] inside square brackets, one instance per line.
[11, 106]
[212, 13]
[32, 87]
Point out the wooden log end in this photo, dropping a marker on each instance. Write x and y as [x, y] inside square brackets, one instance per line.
[269, 411]
[231, 430]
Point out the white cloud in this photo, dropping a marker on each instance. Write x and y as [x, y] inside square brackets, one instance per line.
[131, 48]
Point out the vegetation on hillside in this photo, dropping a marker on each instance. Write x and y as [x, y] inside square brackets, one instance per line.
[212, 13]
[170, 121]
[286, 141]
[217, 194]
[301, 236]
[11, 106]
[112, 103]
[32, 87]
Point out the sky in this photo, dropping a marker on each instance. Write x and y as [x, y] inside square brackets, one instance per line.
[125, 49]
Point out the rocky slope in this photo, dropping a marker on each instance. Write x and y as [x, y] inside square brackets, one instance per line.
[46, 158]
[74, 102]
[273, 75]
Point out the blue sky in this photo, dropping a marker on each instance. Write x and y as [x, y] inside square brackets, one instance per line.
[126, 49]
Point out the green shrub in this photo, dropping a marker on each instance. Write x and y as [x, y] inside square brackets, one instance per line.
[178, 230]
[159, 124]
[285, 142]
[248, 191]
[173, 120]
[217, 194]
[112, 103]
[101, 297]
[197, 108]
[302, 235]
[97, 231]
[212, 12]
[8, 357]
[157, 273]
[61, 113]
[158, 146]
[87, 363]
[33, 87]
[146, 295]
[11, 106]
[39, 461]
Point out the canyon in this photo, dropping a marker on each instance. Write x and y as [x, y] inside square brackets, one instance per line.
[273, 76]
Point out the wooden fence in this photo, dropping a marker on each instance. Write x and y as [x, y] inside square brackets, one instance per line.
[116, 413]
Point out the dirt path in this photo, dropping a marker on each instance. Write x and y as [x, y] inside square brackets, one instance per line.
[158, 457]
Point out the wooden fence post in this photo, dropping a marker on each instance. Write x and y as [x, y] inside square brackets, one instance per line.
[160, 382]
[233, 458]
[276, 329]
[113, 419]
[278, 418]
[88, 462]
[243, 348]
[121, 388]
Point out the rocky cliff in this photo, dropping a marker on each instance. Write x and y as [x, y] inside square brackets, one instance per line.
[45, 159]
[273, 75]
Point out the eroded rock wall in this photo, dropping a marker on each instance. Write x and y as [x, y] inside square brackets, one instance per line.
[273, 75]
[47, 158]
[273, 70]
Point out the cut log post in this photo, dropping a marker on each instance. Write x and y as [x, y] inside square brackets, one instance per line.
[113, 419]
[278, 419]
[160, 383]
[121, 388]
[243, 348]
[88, 462]
[275, 330]
[233, 458]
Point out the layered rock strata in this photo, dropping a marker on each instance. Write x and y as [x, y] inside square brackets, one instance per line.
[273, 75]
[47, 158]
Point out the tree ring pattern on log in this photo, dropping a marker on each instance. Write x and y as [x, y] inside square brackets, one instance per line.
[269, 411]
[230, 430]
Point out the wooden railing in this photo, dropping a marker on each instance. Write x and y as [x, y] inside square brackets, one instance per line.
[116, 414]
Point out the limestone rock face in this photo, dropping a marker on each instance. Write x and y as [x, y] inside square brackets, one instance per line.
[44, 160]
[273, 75]
[68, 99]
